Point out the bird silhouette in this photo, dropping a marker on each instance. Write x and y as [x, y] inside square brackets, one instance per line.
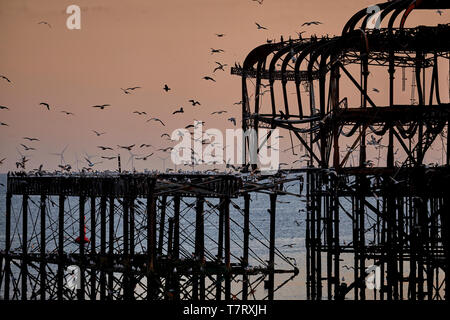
[67, 113]
[259, 1]
[46, 23]
[233, 120]
[5, 78]
[166, 88]
[144, 145]
[156, 119]
[126, 147]
[98, 133]
[260, 26]
[101, 106]
[375, 90]
[216, 50]
[220, 35]
[309, 23]
[127, 90]
[220, 66]
[178, 111]
[31, 139]
[145, 157]
[140, 112]
[108, 158]
[208, 78]
[4, 108]
[45, 105]
[219, 112]
[105, 148]
[26, 147]
[165, 135]
[4, 124]
[194, 102]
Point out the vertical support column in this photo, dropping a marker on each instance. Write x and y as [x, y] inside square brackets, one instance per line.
[92, 243]
[151, 246]
[7, 245]
[61, 258]
[176, 244]
[81, 229]
[42, 264]
[102, 247]
[24, 246]
[162, 219]
[245, 278]
[111, 248]
[227, 249]
[199, 278]
[220, 248]
[126, 248]
[273, 199]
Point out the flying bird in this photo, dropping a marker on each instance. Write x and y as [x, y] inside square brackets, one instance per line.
[375, 90]
[140, 112]
[166, 88]
[178, 111]
[156, 119]
[108, 158]
[45, 105]
[105, 148]
[216, 50]
[194, 102]
[45, 22]
[164, 135]
[101, 106]
[208, 78]
[27, 148]
[220, 66]
[219, 112]
[439, 12]
[145, 157]
[1, 161]
[4, 108]
[4, 124]
[144, 145]
[127, 90]
[31, 139]
[98, 133]
[68, 113]
[259, 1]
[311, 23]
[220, 35]
[127, 147]
[5, 78]
[260, 26]
[232, 120]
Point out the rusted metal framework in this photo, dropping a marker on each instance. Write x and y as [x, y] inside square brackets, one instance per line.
[398, 210]
[138, 236]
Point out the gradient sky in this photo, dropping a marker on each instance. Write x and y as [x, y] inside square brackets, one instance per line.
[135, 43]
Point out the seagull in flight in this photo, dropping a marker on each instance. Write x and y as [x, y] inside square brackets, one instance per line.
[259, 1]
[145, 157]
[31, 139]
[208, 78]
[98, 133]
[178, 111]
[216, 50]
[232, 120]
[165, 135]
[5, 78]
[375, 90]
[140, 112]
[439, 12]
[194, 102]
[127, 90]
[4, 108]
[27, 148]
[127, 147]
[108, 158]
[220, 66]
[45, 22]
[156, 119]
[166, 88]
[105, 148]
[219, 112]
[311, 23]
[101, 106]
[68, 113]
[260, 26]
[4, 124]
[145, 145]
[45, 105]
[220, 35]
[1, 161]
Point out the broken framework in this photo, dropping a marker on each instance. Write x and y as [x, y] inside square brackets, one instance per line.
[142, 236]
[399, 211]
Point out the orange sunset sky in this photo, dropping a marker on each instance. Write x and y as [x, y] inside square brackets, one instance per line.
[144, 43]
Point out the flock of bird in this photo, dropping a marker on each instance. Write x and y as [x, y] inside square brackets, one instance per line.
[89, 163]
